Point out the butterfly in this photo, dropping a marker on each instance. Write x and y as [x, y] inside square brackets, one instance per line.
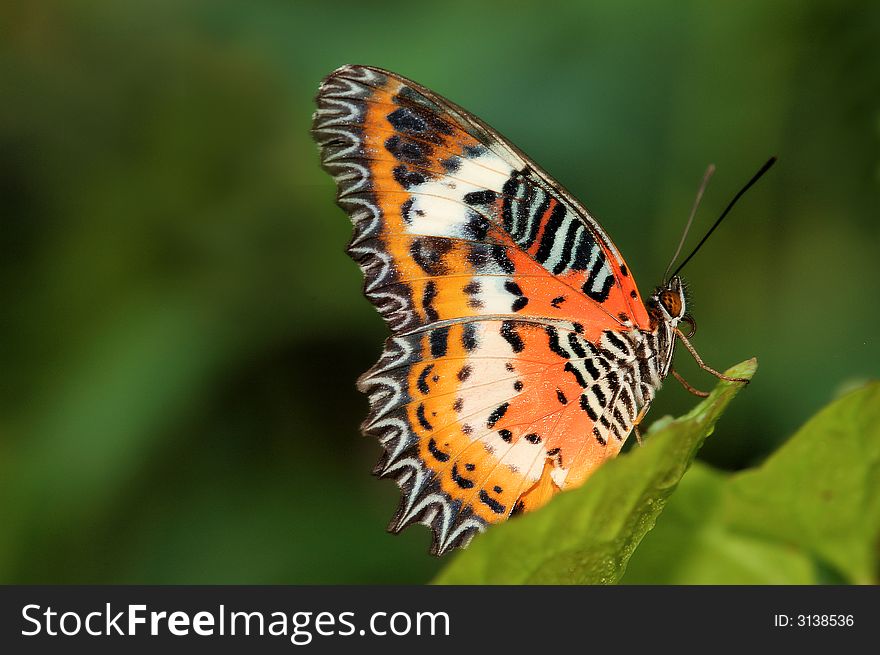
[522, 354]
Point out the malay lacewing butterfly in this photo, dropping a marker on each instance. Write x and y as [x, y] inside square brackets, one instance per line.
[522, 354]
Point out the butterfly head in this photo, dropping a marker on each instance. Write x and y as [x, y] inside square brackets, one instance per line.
[668, 305]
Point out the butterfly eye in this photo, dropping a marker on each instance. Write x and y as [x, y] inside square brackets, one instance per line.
[671, 302]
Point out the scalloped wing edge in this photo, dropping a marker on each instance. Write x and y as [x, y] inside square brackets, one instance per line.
[341, 108]
[340, 103]
[422, 501]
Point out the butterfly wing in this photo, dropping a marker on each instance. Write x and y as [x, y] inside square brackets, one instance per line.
[499, 385]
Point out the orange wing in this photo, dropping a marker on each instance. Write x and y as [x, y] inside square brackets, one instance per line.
[504, 381]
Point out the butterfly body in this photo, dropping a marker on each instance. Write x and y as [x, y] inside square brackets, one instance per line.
[521, 353]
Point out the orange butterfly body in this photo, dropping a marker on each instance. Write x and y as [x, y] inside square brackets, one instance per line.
[521, 352]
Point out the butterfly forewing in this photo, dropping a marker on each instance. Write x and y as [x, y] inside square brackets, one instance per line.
[503, 381]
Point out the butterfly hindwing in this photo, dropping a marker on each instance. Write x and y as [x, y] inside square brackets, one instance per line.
[499, 385]
[484, 419]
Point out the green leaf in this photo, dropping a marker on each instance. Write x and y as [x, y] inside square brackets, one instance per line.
[587, 535]
[809, 514]
[819, 491]
[693, 544]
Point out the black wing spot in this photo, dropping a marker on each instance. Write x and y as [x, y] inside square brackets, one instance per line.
[553, 341]
[575, 344]
[548, 238]
[616, 341]
[557, 301]
[518, 385]
[601, 295]
[616, 431]
[511, 336]
[561, 397]
[574, 229]
[439, 341]
[469, 337]
[420, 415]
[627, 403]
[407, 178]
[431, 315]
[422, 382]
[584, 252]
[519, 303]
[585, 405]
[493, 504]
[499, 254]
[458, 404]
[506, 435]
[405, 120]
[461, 481]
[405, 209]
[408, 97]
[464, 373]
[598, 436]
[407, 151]
[618, 416]
[570, 368]
[469, 467]
[479, 255]
[528, 240]
[451, 165]
[509, 192]
[438, 454]
[496, 415]
[512, 287]
[477, 226]
[429, 255]
[485, 197]
[600, 395]
[533, 438]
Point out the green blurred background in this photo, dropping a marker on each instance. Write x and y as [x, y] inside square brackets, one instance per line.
[181, 328]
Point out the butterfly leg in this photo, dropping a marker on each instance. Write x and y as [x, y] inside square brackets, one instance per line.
[688, 387]
[637, 433]
[701, 363]
[638, 421]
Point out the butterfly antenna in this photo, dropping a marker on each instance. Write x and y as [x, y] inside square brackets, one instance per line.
[757, 176]
[710, 170]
